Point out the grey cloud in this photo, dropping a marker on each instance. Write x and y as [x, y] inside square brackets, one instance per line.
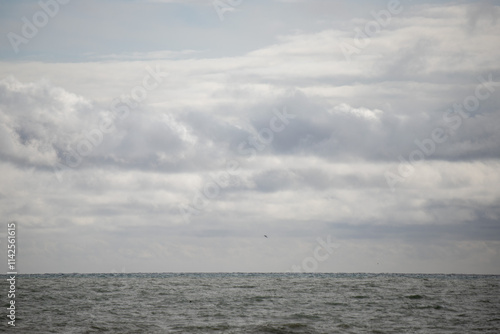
[39, 121]
[152, 140]
[484, 10]
[274, 180]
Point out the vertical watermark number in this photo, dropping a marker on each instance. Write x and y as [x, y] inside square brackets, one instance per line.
[12, 272]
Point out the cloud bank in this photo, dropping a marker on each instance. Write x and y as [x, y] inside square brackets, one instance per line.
[181, 158]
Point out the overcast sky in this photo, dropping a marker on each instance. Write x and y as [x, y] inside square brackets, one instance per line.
[172, 135]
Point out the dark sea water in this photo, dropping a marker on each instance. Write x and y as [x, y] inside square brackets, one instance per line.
[255, 303]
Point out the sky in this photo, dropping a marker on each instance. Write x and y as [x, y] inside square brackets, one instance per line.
[251, 136]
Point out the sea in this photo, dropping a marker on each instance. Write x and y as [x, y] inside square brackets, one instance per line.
[254, 303]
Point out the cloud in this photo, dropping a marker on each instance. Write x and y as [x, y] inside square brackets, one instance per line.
[39, 121]
[321, 173]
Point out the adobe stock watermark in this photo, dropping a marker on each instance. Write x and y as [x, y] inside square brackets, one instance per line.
[12, 272]
[223, 6]
[311, 263]
[453, 119]
[119, 109]
[248, 149]
[362, 38]
[30, 28]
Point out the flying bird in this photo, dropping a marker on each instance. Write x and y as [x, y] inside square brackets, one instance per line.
[265, 235]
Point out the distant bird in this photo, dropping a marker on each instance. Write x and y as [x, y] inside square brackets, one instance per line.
[265, 235]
